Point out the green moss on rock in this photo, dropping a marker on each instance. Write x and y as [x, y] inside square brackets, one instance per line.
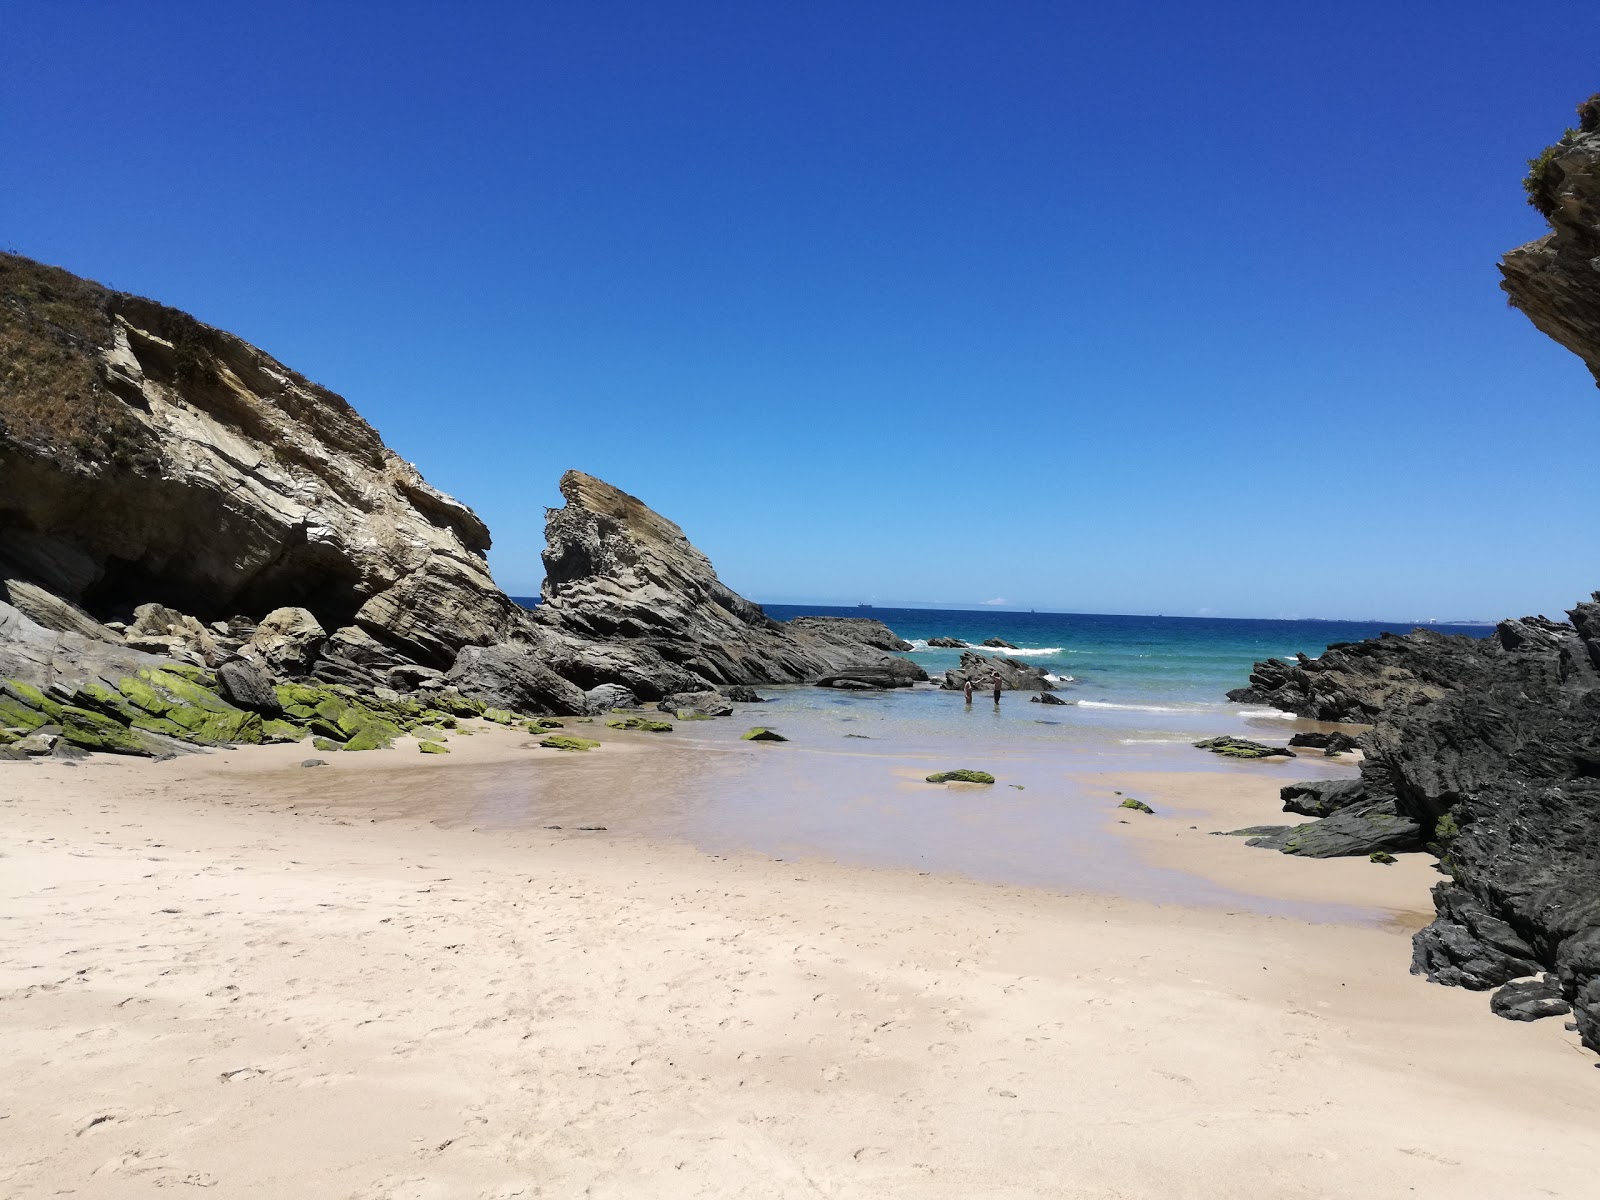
[432, 748]
[643, 723]
[1379, 856]
[281, 731]
[322, 743]
[961, 776]
[96, 731]
[1236, 747]
[1136, 805]
[762, 734]
[562, 741]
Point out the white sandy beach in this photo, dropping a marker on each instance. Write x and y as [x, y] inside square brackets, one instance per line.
[211, 980]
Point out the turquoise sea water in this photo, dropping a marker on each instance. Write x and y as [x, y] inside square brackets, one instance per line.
[848, 786]
[1149, 661]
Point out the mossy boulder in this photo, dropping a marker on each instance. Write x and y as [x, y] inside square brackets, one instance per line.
[281, 731]
[562, 741]
[1136, 806]
[210, 725]
[370, 737]
[540, 724]
[1382, 858]
[96, 731]
[24, 706]
[961, 776]
[102, 699]
[1236, 747]
[432, 748]
[643, 723]
[762, 734]
[500, 716]
[322, 743]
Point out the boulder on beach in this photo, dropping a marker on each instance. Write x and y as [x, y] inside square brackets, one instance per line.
[999, 643]
[1237, 747]
[962, 775]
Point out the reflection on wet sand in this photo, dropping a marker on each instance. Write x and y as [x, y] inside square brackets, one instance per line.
[856, 801]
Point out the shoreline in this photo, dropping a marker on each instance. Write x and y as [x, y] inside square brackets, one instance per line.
[206, 968]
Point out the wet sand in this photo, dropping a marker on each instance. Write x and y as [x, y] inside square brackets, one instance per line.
[383, 978]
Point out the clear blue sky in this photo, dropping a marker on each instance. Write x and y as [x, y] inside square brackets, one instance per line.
[1126, 308]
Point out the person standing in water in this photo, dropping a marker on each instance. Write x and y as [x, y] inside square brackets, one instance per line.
[966, 690]
[997, 690]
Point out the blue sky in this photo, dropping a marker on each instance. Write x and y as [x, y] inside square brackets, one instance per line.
[1117, 308]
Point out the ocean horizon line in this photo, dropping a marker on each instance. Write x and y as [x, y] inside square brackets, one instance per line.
[985, 610]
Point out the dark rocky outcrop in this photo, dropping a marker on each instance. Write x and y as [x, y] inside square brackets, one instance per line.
[998, 643]
[1049, 698]
[1365, 827]
[981, 669]
[947, 643]
[1529, 1000]
[1329, 743]
[1491, 747]
[1322, 798]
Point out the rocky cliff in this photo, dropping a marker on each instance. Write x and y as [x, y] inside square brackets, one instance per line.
[1491, 748]
[171, 494]
[147, 457]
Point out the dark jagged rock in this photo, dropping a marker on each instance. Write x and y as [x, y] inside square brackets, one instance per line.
[740, 694]
[1491, 748]
[1529, 1000]
[628, 599]
[1048, 698]
[1372, 825]
[947, 643]
[981, 670]
[246, 685]
[999, 643]
[1323, 797]
[1329, 743]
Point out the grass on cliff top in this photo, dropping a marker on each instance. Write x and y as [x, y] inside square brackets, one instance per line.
[52, 325]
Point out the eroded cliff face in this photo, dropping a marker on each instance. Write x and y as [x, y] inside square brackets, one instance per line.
[145, 456]
[1556, 280]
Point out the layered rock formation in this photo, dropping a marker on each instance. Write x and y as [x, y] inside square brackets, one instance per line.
[628, 599]
[172, 495]
[147, 457]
